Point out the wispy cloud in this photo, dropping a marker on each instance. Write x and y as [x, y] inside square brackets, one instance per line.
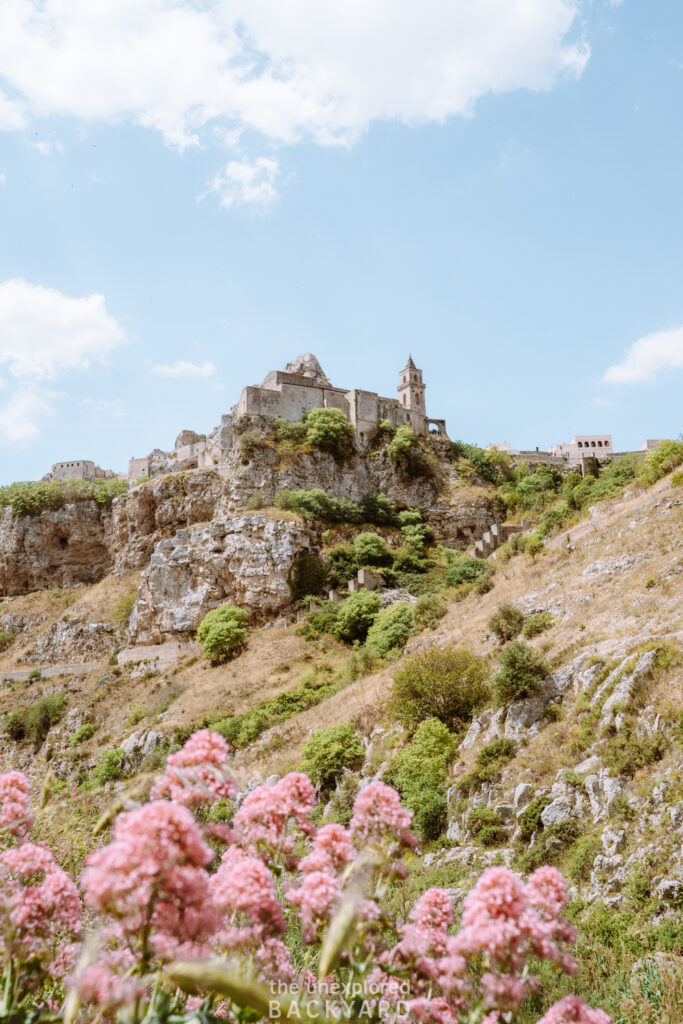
[249, 184]
[647, 357]
[20, 415]
[183, 369]
[602, 402]
[104, 408]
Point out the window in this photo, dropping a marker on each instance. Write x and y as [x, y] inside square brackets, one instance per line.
[580, 444]
[592, 444]
[599, 444]
[404, 399]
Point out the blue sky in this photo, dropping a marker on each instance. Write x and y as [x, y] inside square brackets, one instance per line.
[194, 193]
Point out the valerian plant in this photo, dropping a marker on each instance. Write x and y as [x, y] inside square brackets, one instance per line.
[186, 915]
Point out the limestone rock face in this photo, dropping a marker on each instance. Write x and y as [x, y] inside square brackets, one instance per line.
[72, 640]
[244, 560]
[56, 548]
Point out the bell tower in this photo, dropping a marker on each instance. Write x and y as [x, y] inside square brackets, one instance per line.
[411, 389]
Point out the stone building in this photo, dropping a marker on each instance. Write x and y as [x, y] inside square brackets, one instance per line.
[583, 447]
[289, 394]
[79, 469]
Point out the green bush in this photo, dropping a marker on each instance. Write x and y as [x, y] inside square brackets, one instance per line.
[391, 628]
[522, 670]
[536, 624]
[342, 563]
[123, 610]
[661, 461]
[447, 683]
[506, 623]
[328, 752]
[329, 430]
[284, 431]
[626, 752]
[465, 569]
[489, 465]
[404, 450]
[6, 639]
[222, 632]
[677, 480]
[43, 715]
[486, 826]
[324, 619]
[252, 441]
[84, 732]
[370, 550]
[429, 609]
[317, 505]
[15, 726]
[356, 615]
[529, 820]
[489, 763]
[34, 496]
[419, 774]
[109, 768]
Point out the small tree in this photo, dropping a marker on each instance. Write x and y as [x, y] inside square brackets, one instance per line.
[447, 683]
[369, 550]
[522, 670]
[391, 628]
[329, 430]
[356, 615]
[222, 632]
[507, 622]
[328, 752]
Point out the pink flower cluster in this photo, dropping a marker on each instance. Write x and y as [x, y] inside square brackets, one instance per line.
[244, 891]
[40, 910]
[197, 774]
[378, 816]
[14, 810]
[572, 1010]
[152, 879]
[266, 812]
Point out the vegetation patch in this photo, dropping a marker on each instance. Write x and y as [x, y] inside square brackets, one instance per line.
[419, 773]
[522, 670]
[222, 633]
[447, 683]
[506, 623]
[329, 752]
[31, 497]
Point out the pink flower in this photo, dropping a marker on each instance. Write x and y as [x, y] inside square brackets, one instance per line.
[265, 813]
[331, 850]
[107, 984]
[378, 814]
[546, 890]
[39, 909]
[243, 888]
[154, 871]
[198, 773]
[14, 810]
[572, 1010]
[316, 898]
[433, 911]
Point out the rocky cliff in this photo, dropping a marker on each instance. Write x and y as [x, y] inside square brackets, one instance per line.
[201, 539]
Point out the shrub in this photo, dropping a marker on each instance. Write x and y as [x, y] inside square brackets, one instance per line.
[391, 628]
[123, 610]
[252, 441]
[288, 432]
[488, 464]
[661, 461]
[446, 683]
[486, 826]
[677, 480]
[404, 450]
[534, 625]
[329, 430]
[34, 496]
[419, 774]
[490, 760]
[324, 619]
[316, 504]
[44, 715]
[356, 615]
[506, 623]
[328, 752]
[377, 509]
[533, 545]
[529, 820]
[370, 550]
[109, 768]
[465, 569]
[522, 669]
[429, 609]
[15, 726]
[342, 563]
[222, 632]
[6, 639]
[84, 732]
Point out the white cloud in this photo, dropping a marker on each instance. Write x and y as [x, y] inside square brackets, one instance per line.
[323, 70]
[3, 179]
[181, 368]
[248, 184]
[19, 416]
[103, 408]
[46, 148]
[602, 403]
[44, 333]
[662, 350]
